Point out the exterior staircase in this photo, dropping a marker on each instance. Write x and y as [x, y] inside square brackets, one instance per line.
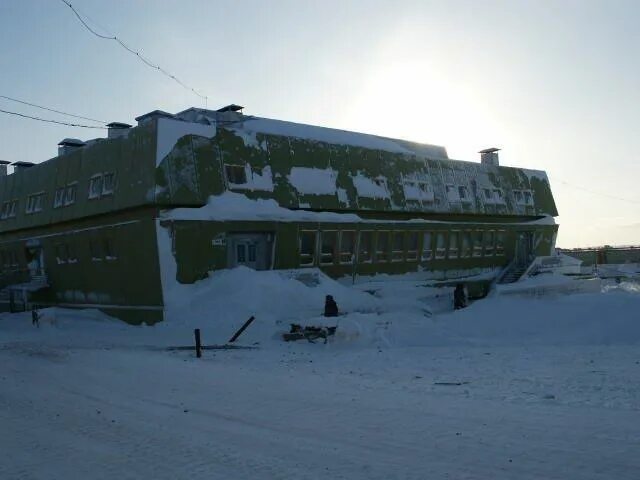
[513, 273]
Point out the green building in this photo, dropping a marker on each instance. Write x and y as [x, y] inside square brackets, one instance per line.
[114, 223]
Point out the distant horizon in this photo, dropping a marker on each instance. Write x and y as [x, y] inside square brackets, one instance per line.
[550, 83]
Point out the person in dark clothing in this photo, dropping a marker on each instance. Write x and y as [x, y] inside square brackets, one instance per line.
[459, 297]
[330, 307]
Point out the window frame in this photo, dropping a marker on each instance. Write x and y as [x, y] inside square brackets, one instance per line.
[501, 236]
[456, 251]
[321, 254]
[314, 250]
[412, 254]
[243, 168]
[386, 254]
[371, 252]
[441, 252]
[71, 187]
[354, 244]
[430, 250]
[477, 249]
[111, 190]
[397, 255]
[95, 189]
[58, 197]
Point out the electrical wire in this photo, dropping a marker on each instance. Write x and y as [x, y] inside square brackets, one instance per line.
[51, 121]
[52, 109]
[593, 192]
[137, 53]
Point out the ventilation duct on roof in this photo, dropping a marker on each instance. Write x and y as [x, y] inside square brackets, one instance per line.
[69, 145]
[489, 156]
[3, 168]
[147, 117]
[117, 129]
[19, 166]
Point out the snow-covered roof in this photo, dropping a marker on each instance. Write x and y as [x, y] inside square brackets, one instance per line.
[251, 125]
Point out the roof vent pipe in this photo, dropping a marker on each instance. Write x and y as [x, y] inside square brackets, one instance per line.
[489, 156]
[117, 130]
[69, 145]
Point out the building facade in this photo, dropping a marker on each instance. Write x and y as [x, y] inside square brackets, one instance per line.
[114, 223]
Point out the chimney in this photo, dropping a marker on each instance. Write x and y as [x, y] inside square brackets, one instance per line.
[19, 166]
[3, 168]
[117, 130]
[69, 145]
[147, 117]
[489, 156]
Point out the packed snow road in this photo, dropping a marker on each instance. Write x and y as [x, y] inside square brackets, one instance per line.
[507, 388]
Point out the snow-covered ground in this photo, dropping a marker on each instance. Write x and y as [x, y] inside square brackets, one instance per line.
[511, 387]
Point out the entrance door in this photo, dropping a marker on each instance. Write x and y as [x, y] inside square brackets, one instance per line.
[524, 247]
[252, 250]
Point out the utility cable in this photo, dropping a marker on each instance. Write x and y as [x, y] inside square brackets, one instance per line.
[51, 121]
[593, 192]
[52, 109]
[137, 53]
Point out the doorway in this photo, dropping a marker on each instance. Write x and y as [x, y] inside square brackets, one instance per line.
[253, 250]
[524, 248]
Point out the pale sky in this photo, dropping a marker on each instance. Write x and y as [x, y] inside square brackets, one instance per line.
[555, 84]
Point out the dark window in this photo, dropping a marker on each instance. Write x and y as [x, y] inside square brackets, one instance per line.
[412, 245]
[70, 194]
[96, 250]
[307, 247]
[251, 249]
[477, 243]
[465, 252]
[241, 255]
[382, 247]
[397, 252]
[58, 199]
[108, 183]
[427, 251]
[329, 241]
[347, 246]
[95, 186]
[109, 251]
[441, 245]
[453, 245]
[364, 247]
[236, 174]
[489, 238]
[500, 242]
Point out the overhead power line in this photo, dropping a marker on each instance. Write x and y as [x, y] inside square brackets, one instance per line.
[135, 52]
[594, 192]
[52, 109]
[51, 121]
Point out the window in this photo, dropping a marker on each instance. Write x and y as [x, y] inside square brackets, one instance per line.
[109, 251]
[236, 174]
[95, 186]
[61, 253]
[518, 195]
[71, 254]
[500, 242]
[328, 244]
[427, 251]
[528, 198]
[251, 251]
[96, 251]
[441, 245]
[34, 203]
[241, 253]
[488, 195]
[453, 245]
[412, 246]
[497, 195]
[489, 238]
[465, 252]
[477, 243]
[108, 183]
[307, 247]
[452, 193]
[382, 247]
[397, 250]
[5, 210]
[70, 194]
[364, 247]
[13, 208]
[58, 198]
[347, 246]
[463, 193]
